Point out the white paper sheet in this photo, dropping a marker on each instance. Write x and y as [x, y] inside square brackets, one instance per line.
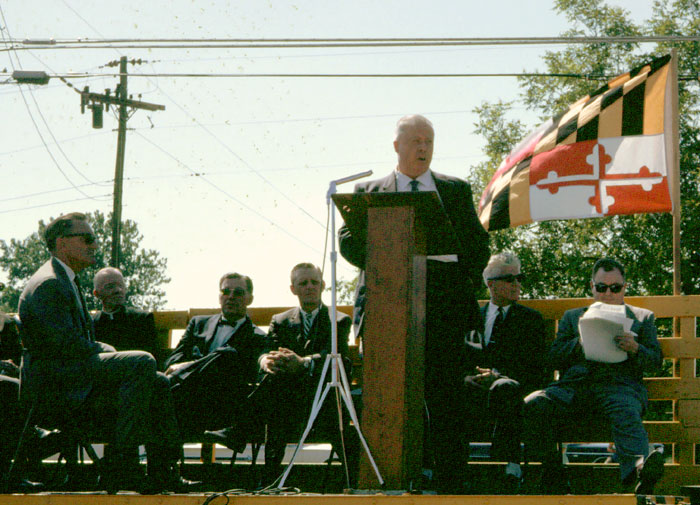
[598, 328]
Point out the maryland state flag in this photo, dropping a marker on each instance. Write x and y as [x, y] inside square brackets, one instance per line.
[606, 155]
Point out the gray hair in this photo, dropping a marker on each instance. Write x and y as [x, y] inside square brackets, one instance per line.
[497, 262]
[411, 120]
[104, 271]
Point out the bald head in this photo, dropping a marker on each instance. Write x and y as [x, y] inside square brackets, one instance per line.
[110, 288]
[413, 144]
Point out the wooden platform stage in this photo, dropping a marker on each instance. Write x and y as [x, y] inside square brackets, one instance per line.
[315, 499]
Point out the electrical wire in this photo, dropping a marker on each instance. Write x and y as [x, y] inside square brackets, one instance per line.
[36, 126]
[104, 197]
[227, 194]
[185, 43]
[209, 75]
[231, 151]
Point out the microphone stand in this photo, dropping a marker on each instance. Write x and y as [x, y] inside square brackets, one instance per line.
[334, 361]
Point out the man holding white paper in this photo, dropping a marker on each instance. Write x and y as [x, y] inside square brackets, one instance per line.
[606, 387]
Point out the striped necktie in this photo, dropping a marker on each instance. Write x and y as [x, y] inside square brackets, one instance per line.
[414, 185]
[308, 321]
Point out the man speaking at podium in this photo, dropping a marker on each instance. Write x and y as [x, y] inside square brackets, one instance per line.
[451, 307]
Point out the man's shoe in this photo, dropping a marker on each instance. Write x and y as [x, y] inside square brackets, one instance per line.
[650, 473]
[228, 437]
[164, 481]
[25, 486]
[554, 480]
[509, 484]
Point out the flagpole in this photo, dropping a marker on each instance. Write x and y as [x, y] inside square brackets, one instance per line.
[673, 158]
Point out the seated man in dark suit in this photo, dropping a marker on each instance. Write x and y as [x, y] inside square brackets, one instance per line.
[216, 361]
[301, 340]
[508, 361]
[610, 390]
[78, 382]
[11, 414]
[124, 327]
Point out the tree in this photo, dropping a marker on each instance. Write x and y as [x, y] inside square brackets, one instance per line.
[144, 270]
[558, 255]
[345, 290]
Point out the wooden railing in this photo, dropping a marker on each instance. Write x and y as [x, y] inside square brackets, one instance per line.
[681, 391]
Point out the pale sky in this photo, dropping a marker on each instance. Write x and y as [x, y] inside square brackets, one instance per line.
[233, 175]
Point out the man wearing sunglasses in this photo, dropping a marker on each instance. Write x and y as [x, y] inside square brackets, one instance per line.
[71, 380]
[506, 360]
[613, 391]
[214, 364]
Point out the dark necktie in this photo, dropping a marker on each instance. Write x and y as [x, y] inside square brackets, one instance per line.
[414, 185]
[83, 305]
[497, 325]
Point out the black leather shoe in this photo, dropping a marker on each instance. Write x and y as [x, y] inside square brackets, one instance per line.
[228, 437]
[555, 480]
[509, 484]
[163, 482]
[650, 473]
[25, 486]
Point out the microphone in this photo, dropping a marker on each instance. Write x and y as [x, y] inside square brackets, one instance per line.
[333, 184]
[350, 178]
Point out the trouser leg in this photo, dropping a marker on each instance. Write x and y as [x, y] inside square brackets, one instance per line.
[505, 408]
[123, 387]
[446, 424]
[543, 410]
[623, 407]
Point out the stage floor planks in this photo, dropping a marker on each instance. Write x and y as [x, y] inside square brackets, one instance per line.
[312, 499]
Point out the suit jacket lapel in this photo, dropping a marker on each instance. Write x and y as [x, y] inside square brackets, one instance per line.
[635, 322]
[482, 332]
[316, 335]
[77, 311]
[210, 331]
[388, 184]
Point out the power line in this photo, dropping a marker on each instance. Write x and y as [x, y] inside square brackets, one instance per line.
[199, 124]
[36, 126]
[227, 194]
[290, 43]
[53, 203]
[591, 77]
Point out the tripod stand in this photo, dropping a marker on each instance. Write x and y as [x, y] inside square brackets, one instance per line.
[334, 361]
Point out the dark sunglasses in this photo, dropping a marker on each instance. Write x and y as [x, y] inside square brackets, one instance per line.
[601, 287]
[235, 292]
[88, 238]
[508, 278]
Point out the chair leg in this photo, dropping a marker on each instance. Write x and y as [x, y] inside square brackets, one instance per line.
[18, 449]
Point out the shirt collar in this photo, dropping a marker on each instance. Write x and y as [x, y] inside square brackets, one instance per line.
[427, 183]
[69, 270]
[311, 314]
[493, 308]
[114, 312]
[236, 323]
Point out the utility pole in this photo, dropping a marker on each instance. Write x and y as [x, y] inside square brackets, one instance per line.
[96, 102]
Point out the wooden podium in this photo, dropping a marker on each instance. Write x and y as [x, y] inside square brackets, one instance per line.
[401, 229]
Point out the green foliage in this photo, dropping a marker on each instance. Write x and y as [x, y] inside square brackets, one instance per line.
[345, 290]
[144, 270]
[557, 255]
